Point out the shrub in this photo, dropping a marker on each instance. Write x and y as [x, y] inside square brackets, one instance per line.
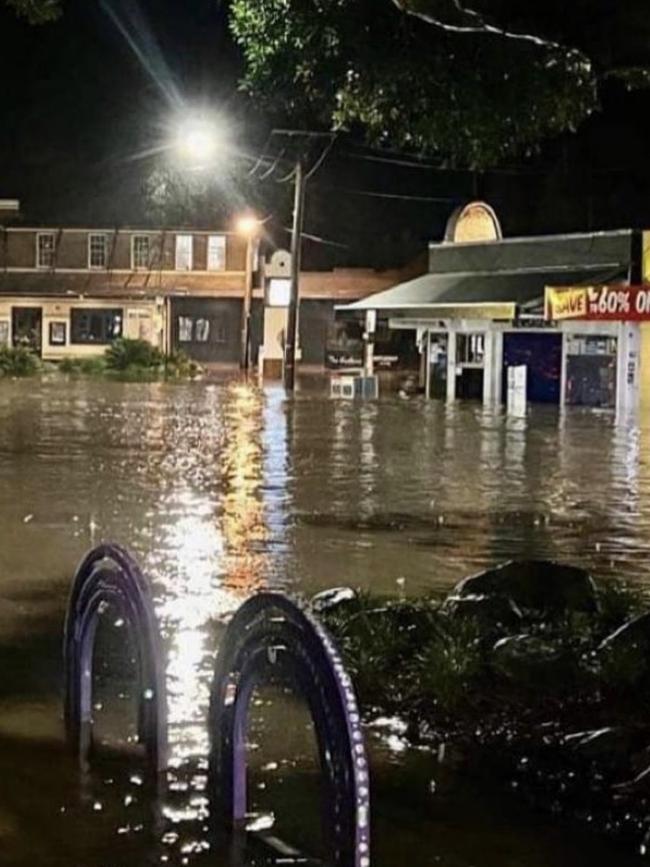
[125, 353]
[179, 366]
[83, 366]
[18, 361]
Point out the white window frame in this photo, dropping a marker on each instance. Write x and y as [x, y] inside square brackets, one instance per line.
[51, 264]
[210, 262]
[135, 237]
[189, 252]
[92, 235]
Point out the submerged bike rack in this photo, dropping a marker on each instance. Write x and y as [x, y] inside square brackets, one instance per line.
[270, 640]
[108, 576]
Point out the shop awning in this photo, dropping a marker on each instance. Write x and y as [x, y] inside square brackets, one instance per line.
[492, 280]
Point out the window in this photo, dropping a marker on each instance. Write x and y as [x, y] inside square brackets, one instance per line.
[58, 333]
[470, 348]
[97, 251]
[202, 330]
[216, 253]
[279, 292]
[184, 252]
[95, 326]
[45, 248]
[140, 252]
[185, 329]
[4, 334]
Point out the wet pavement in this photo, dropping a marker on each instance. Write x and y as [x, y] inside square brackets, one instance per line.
[220, 489]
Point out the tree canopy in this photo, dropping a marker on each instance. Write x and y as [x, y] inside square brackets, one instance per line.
[36, 11]
[472, 85]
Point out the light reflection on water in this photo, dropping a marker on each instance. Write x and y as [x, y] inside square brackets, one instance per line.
[220, 490]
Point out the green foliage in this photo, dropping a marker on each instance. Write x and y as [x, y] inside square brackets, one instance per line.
[133, 361]
[449, 668]
[618, 603]
[474, 99]
[125, 353]
[18, 361]
[419, 660]
[36, 11]
[179, 366]
[83, 366]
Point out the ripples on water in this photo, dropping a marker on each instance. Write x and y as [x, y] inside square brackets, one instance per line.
[220, 489]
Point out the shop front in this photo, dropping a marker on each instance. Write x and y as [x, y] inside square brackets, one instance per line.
[481, 311]
[604, 331]
[56, 328]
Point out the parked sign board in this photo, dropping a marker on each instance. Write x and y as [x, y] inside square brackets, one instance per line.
[613, 303]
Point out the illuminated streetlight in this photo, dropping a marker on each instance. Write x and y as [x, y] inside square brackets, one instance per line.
[198, 138]
[248, 225]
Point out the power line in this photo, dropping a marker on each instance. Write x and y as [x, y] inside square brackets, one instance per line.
[321, 159]
[318, 240]
[408, 160]
[378, 195]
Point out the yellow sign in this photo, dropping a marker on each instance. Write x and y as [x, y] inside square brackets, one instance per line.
[566, 303]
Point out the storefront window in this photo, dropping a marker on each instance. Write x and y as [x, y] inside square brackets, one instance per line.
[202, 330]
[95, 325]
[185, 329]
[470, 348]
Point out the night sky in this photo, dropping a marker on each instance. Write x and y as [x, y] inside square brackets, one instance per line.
[79, 110]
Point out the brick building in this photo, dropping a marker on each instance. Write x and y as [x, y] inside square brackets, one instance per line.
[68, 292]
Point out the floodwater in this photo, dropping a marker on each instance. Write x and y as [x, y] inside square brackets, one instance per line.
[220, 489]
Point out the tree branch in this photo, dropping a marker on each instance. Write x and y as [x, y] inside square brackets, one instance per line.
[427, 11]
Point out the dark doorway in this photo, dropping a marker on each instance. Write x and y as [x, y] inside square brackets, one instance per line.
[469, 385]
[542, 355]
[26, 327]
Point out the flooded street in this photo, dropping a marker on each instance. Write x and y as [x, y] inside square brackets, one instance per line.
[219, 489]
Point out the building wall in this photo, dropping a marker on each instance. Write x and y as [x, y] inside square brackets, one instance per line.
[18, 248]
[142, 318]
[223, 331]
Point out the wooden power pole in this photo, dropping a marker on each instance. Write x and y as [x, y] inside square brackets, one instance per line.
[291, 338]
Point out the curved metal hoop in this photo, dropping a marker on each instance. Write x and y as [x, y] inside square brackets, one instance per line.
[109, 575]
[272, 639]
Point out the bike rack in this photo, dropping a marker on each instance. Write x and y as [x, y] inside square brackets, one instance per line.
[271, 640]
[108, 575]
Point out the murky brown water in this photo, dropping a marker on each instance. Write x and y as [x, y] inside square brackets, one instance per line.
[220, 489]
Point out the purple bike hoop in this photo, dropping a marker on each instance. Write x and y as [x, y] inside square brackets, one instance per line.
[272, 640]
[108, 575]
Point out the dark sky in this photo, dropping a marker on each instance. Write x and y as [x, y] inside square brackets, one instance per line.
[79, 108]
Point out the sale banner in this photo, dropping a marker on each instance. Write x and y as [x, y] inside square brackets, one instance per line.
[618, 303]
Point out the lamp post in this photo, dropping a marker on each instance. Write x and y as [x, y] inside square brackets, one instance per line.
[247, 226]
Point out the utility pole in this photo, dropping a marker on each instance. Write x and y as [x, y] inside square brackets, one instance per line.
[291, 338]
[245, 352]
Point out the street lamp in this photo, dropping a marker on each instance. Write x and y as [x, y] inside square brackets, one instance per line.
[247, 225]
[198, 138]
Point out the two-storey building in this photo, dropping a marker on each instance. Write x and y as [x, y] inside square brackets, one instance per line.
[71, 291]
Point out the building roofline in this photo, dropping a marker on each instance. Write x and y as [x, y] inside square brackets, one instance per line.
[145, 230]
[523, 239]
